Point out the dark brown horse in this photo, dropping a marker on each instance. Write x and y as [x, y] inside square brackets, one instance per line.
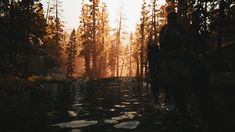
[183, 75]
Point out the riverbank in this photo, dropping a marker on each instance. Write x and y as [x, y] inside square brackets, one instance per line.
[15, 85]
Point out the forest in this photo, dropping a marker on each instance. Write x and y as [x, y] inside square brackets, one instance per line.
[36, 50]
[34, 43]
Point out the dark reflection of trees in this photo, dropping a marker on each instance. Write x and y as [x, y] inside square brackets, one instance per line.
[62, 102]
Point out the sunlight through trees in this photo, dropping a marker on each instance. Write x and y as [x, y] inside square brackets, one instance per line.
[31, 31]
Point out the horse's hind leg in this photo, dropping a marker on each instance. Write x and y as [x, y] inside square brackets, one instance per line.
[206, 106]
[181, 103]
[154, 87]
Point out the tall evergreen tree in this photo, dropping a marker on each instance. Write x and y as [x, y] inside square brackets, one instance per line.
[94, 15]
[130, 54]
[71, 50]
[102, 41]
[118, 37]
[144, 32]
[24, 25]
[86, 35]
[89, 33]
[112, 55]
[136, 50]
[55, 33]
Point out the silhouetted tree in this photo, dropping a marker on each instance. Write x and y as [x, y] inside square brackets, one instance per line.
[94, 19]
[143, 32]
[112, 55]
[130, 53]
[102, 41]
[55, 33]
[118, 40]
[71, 50]
[24, 25]
[86, 35]
[136, 49]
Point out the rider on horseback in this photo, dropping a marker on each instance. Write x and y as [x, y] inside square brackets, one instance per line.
[181, 75]
[171, 41]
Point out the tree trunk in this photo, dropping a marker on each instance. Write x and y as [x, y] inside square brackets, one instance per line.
[137, 68]
[219, 51]
[142, 50]
[94, 56]
[27, 41]
[130, 70]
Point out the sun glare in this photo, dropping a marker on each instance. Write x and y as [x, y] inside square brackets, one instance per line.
[131, 12]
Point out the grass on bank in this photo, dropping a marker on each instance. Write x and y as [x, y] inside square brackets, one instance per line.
[13, 82]
[220, 80]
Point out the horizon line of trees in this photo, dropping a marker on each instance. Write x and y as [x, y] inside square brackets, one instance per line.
[33, 42]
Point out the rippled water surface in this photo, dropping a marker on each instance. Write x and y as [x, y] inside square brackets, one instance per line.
[103, 105]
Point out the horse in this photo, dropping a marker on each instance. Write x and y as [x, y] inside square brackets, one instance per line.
[183, 75]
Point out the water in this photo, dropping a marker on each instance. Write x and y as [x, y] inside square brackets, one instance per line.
[112, 105]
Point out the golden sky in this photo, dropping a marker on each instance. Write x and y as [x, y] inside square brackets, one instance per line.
[71, 12]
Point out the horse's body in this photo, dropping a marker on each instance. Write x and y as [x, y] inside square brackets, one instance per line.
[182, 75]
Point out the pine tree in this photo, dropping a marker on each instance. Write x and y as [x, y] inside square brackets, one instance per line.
[136, 50]
[144, 32]
[89, 33]
[23, 23]
[71, 50]
[112, 55]
[118, 37]
[130, 54]
[55, 33]
[94, 19]
[86, 35]
[102, 41]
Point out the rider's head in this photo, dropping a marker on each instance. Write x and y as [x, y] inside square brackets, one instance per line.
[171, 17]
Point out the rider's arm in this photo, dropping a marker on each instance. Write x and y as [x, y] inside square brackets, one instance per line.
[162, 37]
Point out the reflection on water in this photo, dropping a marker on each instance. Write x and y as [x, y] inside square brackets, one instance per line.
[72, 113]
[102, 105]
[128, 125]
[120, 106]
[76, 124]
[110, 121]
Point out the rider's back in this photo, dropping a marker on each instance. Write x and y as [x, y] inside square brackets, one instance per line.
[172, 37]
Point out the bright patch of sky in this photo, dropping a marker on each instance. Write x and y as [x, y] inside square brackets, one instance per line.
[131, 11]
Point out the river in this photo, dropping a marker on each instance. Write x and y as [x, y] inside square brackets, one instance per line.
[104, 105]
